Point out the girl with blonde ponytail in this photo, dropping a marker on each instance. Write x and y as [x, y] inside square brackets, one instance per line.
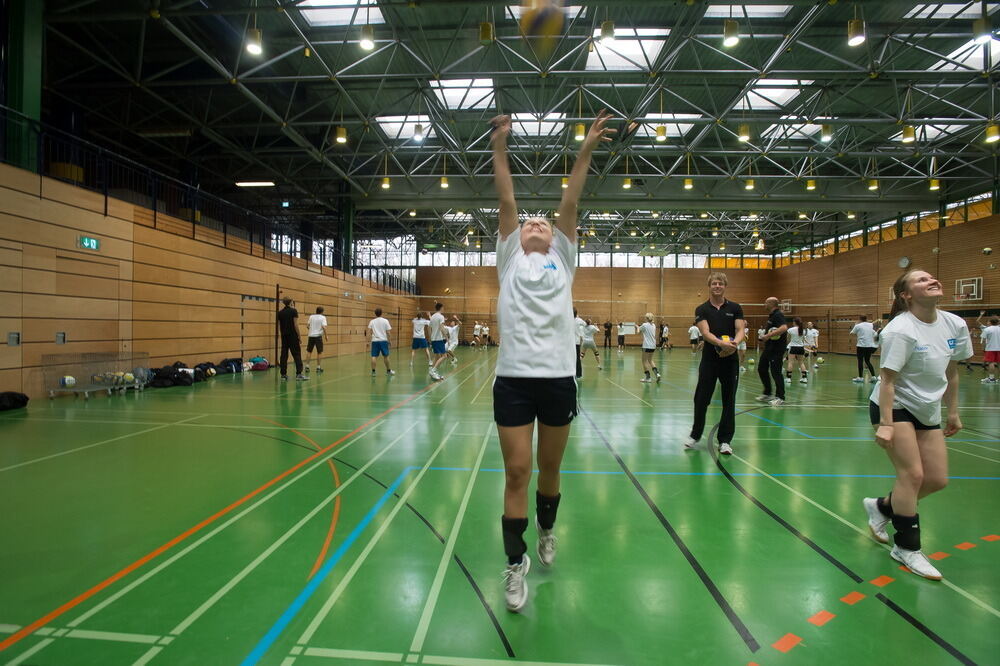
[921, 347]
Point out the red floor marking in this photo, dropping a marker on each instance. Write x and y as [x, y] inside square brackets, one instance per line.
[939, 555]
[852, 598]
[786, 642]
[903, 567]
[821, 618]
[991, 537]
[965, 545]
[881, 581]
[29, 629]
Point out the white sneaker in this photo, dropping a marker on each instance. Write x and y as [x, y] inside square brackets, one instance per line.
[788, 380]
[876, 521]
[777, 402]
[600, 367]
[803, 381]
[435, 375]
[858, 380]
[658, 378]
[725, 449]
[390, 372]
[742, 369]
[915, 561]
[764, 398]
[546, 546]
[454, 361]
[515, 585]
[815, 366]
[645, 380]
[690, 442]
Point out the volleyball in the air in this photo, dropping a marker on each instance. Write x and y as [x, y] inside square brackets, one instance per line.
[447, 290]
[68, 381]
[542, 19]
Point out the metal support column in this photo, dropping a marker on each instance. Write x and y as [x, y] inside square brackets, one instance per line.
[21, 85]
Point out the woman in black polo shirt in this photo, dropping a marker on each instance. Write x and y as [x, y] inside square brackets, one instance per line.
[722, 327]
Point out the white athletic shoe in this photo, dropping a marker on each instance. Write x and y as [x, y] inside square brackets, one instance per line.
[988, 380]
[815, 366]
[454, 361]
[390, 372]
[546, 546]
[763, 397]
[645, 380]
[858, 380]
[435, 375]
[515, 585]
[600, 367]
[788, 380]
[690, 443]
[876, 520]
[658, 378]
[777, 402]
[725, 449]
[742, 369]
[915, 561]
[803, 381]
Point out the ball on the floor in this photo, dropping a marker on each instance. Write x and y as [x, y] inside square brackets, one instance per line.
[128, 378]
[68, 381]
[820, 360]
[210, 372]
[750, 361]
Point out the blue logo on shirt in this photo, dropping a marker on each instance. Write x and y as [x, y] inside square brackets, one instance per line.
[951, 343]
[551, 265]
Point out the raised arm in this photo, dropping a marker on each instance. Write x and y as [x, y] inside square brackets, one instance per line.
[502, 179]
[599, 132]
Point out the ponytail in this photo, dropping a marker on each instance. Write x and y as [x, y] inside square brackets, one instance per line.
[899, 304]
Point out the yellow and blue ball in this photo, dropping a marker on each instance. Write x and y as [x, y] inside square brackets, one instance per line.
[68, 381]
[543, 19]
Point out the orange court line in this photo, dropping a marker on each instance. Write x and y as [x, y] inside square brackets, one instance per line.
[786, 642]
[852, 598]
[991, 537]
[965, 545]
[881, 581]
[336, 502]
[29, 629]
[939, 555]
[821, 618]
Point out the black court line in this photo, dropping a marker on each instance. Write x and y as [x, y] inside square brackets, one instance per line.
[917, 624]
[706, 580]
[458, 560]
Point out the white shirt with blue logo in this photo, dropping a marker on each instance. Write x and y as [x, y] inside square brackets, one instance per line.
[535, 308]
[920, 353]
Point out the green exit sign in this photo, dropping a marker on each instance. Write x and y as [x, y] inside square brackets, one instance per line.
[88, 243]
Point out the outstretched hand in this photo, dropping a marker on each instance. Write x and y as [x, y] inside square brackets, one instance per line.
[599, 131]
[501, 129]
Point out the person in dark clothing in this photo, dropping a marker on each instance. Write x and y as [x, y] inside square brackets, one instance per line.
[288, 320]
[607, 335]
[723, 329]
[769, 366]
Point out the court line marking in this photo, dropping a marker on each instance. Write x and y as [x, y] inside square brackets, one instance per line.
[78, 421]
[267, 641]
[982, 604]
[431, 603]
[90, 446]
[29, 629]
[665, 473]
[974, 455]
[649, 404]
[446, 395]
[485, 384]
[397, 657]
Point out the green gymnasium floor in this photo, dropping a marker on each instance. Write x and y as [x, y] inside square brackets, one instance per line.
[192, 526]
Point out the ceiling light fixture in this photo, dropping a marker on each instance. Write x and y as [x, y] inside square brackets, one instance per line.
[934, 185]
[826, 134]
[982, 30]
[255, 183]
[749, 185]
[744, 133]
[607, 32]
[730, 33]
[413, 213]
[909, 134]
[386, 183]
[872, 184]
[992, 133]
[341, 136]
[810, 184]
[418, 132]
[855, 32]
[367, 41]
[565, 182]
[703, 215]
[255, 39]
[851, 215]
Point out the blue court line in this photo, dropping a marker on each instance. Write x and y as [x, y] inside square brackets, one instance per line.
[274, 632]
[620, 473]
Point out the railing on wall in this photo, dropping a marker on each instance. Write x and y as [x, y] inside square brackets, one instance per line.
[37, 147]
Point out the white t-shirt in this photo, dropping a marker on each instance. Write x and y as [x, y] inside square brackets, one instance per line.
[380, 328]
[535, 308]
[477, 329]
[694, 333]
[437, 326]
[920, 353]
[648, 330]
[621, 329]
[420, 327]
[797, 337]
[866, 336]
[665, 333]
[317, 323]
[452, 333]
[812, 337]
[581, 325]
[991, 338]
[588, 334]
[486, 331]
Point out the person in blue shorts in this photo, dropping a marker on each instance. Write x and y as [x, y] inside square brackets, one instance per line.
[380, 327]
[420, 324]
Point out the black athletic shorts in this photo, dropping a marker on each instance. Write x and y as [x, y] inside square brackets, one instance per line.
[694, 341]
[898, 415]
[797, 351]
[518, 401]
[315, 342]
[621, 340]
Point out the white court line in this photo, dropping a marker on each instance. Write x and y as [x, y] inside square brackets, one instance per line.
[432, 597]
[352, 654]
[101, 443]
[466, 661]
[28, 654]
[396, 657]
[485, 384]
[76, 422]
[249, 568]
[456, 388]
[190, 547]
[386, 522]
[974, 455]
[982, 604]
[629, 392]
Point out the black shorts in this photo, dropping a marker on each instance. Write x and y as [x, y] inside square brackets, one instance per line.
[518, 401]
[797, 351]
[898, 416]
[694, 341]
[315, 342]
[621, 340]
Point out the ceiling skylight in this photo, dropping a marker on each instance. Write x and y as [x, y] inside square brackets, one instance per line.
[771, 94]
[536, 124]
[936, 10]
[571, 11]
[402, 128]
[340, 12]
[648, 128]
[970, 55]
[933, 132]
[464, 93]
[794, 131]
[753, 11]
[632, 48]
